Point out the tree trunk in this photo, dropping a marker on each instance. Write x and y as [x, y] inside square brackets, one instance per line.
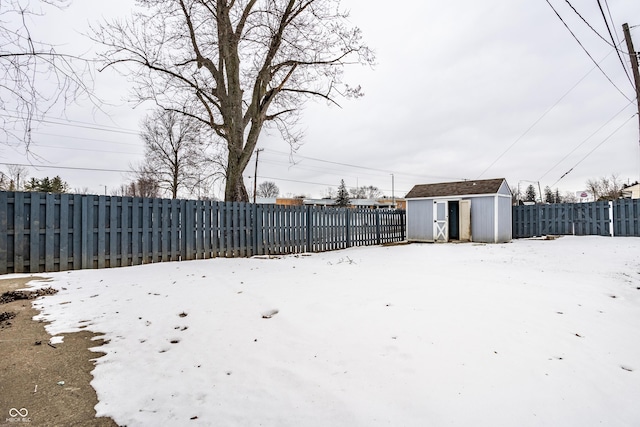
[235, 191]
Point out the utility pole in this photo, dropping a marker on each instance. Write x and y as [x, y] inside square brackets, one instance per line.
[393, 193]
[633, 56]
[255, 175]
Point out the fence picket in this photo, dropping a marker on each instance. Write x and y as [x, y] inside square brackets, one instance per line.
[5, 254]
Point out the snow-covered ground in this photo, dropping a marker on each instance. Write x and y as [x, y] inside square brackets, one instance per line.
[530, 333]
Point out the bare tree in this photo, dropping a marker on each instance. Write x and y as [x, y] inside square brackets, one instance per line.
[4, 182]
[237, 65]
[329, 193]
[142, 186]
[17, 176]
[80, 190]
[174, 151]
[569, 197]
[268, 189]
[366, 192]
[516, 195]
[34, 75]
[605, 188]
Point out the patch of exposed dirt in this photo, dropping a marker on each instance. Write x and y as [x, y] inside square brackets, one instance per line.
[45, 384]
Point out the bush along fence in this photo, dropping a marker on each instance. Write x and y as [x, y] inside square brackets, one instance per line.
[618, 218]
[42, 232]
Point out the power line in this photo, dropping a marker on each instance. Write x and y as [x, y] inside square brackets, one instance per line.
[538, 120]
[387, 171]
[618, 41]
[93, 150]
[613, 40]
[594, 149]
[584, 141]
[585, 50]
[64, 167]
[85, 139]
[84, 125]
[589, 25]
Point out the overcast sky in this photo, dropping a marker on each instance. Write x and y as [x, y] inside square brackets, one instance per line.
[462, 90]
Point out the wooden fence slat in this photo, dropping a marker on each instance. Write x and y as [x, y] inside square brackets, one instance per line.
[50, 233]
[114, 231]
[135, 231]
[125, 234]
[63, 253]
[34, 233]
[4, 232]
[19, 243]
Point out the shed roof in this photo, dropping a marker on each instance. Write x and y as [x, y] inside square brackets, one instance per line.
[459, 188]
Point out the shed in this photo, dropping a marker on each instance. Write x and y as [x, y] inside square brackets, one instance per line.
[472, 211]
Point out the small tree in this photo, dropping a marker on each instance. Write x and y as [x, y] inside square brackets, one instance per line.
[515, 195]
[329, 193]
[569, 197]
[557, 197]
[343, 195]
[548, 195]
[4, 182]
[268, 189]
[17, 175]
[530, 194]
[143, 186]
[174, 152]
[366, 192]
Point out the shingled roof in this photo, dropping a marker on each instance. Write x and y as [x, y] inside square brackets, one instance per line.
[460, 188]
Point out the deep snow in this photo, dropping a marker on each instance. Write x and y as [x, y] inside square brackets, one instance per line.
[530, 333]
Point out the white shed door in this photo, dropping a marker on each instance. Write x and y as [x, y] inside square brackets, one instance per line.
[440, 221]
[465, 220]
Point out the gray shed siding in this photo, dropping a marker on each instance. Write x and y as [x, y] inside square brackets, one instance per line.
[505, 227]
[420, 220]
[482, 219]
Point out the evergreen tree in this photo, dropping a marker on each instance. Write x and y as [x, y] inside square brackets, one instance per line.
[530, 194]
[343, 195]
[47, 185]
[557, 197]
[548, 195]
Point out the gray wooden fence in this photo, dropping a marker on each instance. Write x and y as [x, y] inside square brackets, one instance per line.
[55, 232]
[618, 218]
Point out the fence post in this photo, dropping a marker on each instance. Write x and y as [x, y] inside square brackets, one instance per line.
[377, 212]
[309, 232]
[254, 228]
[611, 233]
[348, 225]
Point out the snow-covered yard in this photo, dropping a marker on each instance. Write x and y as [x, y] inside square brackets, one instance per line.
[530, 333]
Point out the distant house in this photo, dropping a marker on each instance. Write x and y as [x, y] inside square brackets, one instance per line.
[288, 201]
[382, 203]
[632, 192]
[476, 211]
